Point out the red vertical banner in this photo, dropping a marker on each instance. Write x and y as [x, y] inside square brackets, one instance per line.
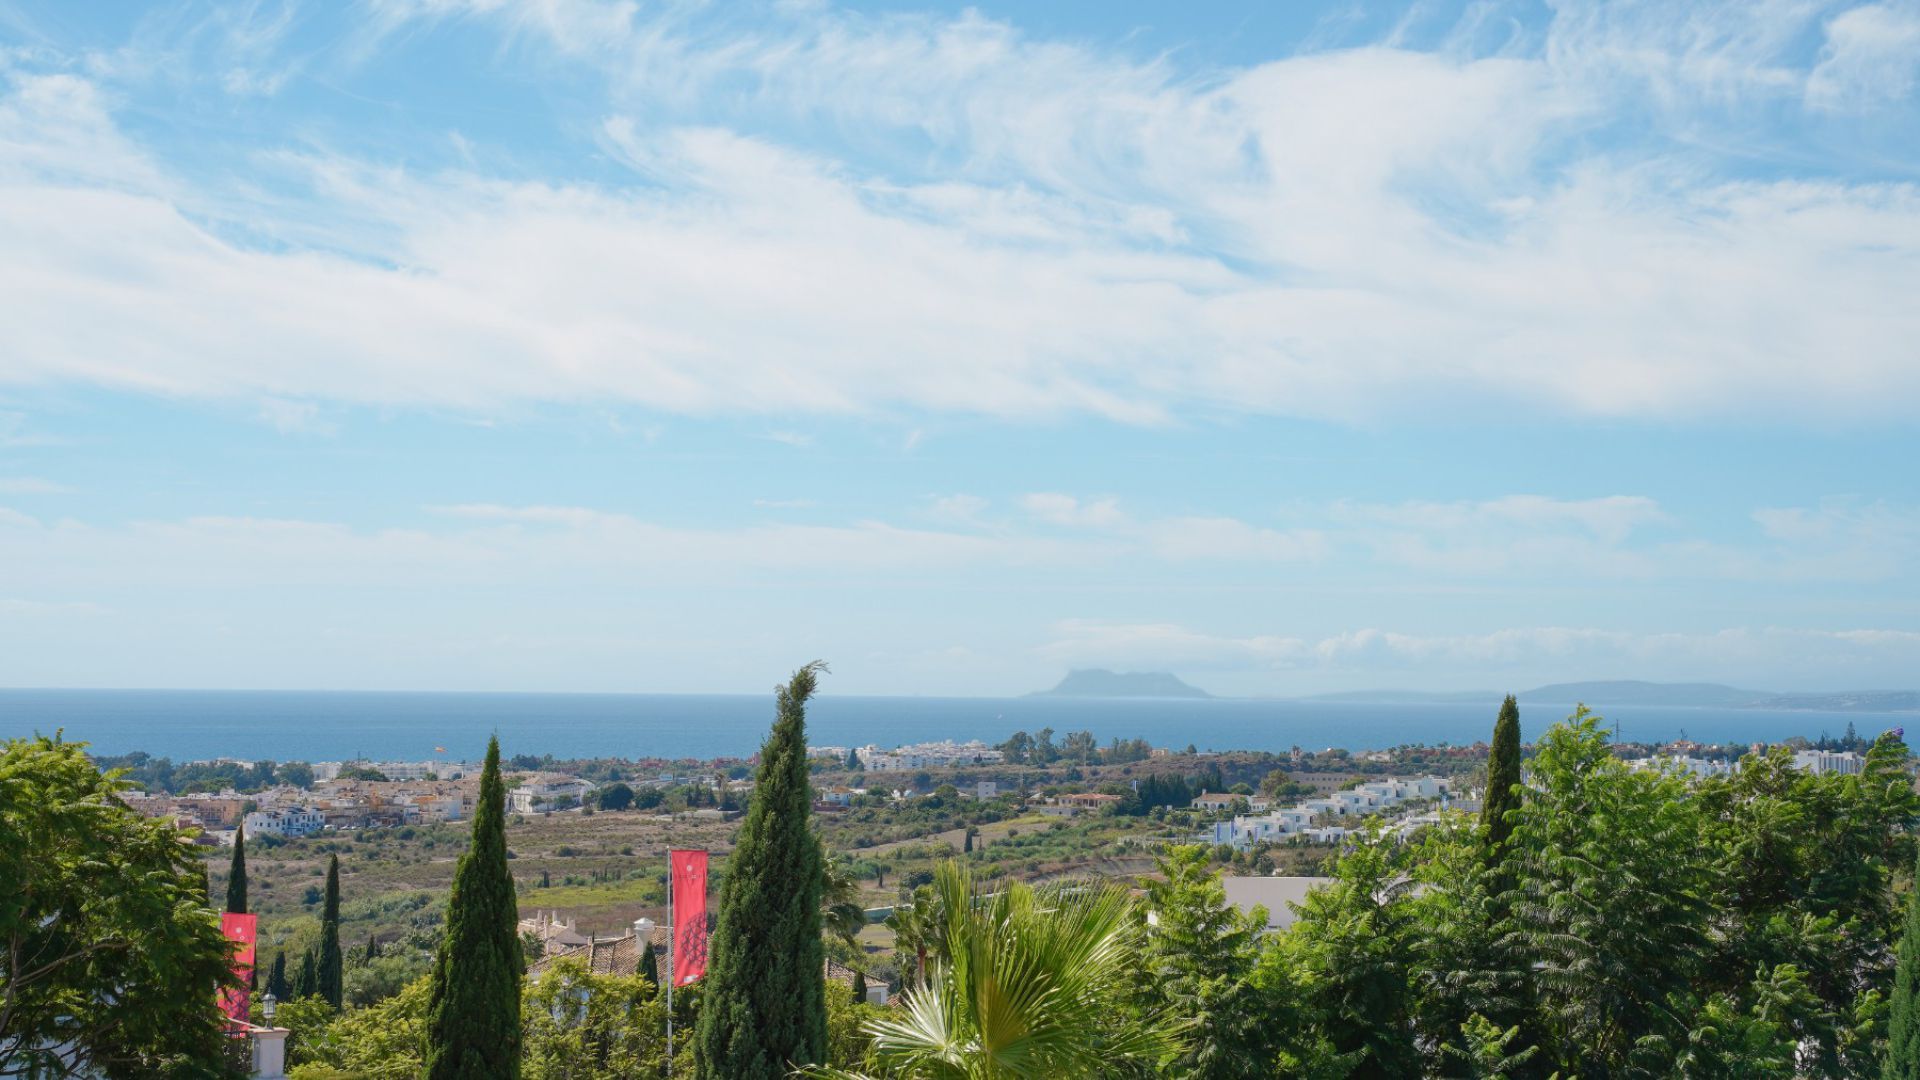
[239, 929]
[689, 870]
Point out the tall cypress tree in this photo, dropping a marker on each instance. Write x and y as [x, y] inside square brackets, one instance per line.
[473, 1015]
[1503, 779]
[332, 964]
[277, 978]
[1903, 1012]
[765, 1011]
[237, 873]
[307, 983]
[649, 964]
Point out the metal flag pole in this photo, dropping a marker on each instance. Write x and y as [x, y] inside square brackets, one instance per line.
[671, 932]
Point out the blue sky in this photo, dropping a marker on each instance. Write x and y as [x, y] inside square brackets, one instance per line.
[560, 344]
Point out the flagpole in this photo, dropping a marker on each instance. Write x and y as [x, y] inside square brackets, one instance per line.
[672, 931]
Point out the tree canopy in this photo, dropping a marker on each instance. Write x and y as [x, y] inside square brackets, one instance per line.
[110, 955]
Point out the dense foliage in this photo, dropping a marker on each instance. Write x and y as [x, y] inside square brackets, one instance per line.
[473, 1020]
[110, 954]
[1078, 746]
[1029, 983]
[159, 774]
[764, 1011]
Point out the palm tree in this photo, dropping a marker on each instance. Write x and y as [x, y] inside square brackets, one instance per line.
[841, 915]
[918, 927]
[1031, 983]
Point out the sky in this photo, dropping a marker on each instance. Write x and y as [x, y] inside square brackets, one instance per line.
[581, 345]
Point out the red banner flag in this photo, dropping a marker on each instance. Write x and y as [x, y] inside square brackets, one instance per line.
[689, 915]
[240, 930]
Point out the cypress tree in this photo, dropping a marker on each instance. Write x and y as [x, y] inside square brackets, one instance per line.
[332, 963]
[1503, 779]
[649, 964]
[237, 873]
[473, 1014]
[277, 977]
[307, 983]
[966, 847]
[860, 987]
[764, 1012]
[1903, 1012]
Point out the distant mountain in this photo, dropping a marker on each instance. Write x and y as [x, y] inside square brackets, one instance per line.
[1634, 692]
[1100, 683]
[1607, 693]
[1849, 701]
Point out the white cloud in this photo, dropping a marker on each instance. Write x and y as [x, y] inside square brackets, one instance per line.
[1871, 56]
[957, 509]
[1349, 234]
[1546, 653]
[295, 417]
[30, 485]
[1066, 510]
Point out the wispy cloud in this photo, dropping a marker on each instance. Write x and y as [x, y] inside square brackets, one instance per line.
[1564, 653]
[30, 485]
[1352, 232]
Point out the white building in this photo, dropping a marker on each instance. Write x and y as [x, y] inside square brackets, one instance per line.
[1820, 762]
[285, 821]
[398, 770]
[1373, 797]
[945, 754]
[1277, 895]
[547, 795]
[1692, 766]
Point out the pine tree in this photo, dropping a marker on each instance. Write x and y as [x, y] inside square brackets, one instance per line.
[1503, 778]
[331, 962]
[473, 1016]
[307, 983]
[764, 1012]
[237, 873]
[1903, 1013]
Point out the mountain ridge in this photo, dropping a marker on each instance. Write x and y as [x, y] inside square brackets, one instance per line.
[1101, 683]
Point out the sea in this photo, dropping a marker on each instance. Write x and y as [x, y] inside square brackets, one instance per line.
[329, 726]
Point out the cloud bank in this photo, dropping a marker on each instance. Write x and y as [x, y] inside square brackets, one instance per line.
[947, 214]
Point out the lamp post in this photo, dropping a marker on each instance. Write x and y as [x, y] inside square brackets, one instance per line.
[268, 1005]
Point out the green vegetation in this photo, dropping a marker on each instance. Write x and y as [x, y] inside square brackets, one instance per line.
[1030, 983]
[1631, 923]
[110, 954]
[1503, 778]
[332, 963]
[764, 1011]
[473, 1008]
[149, 773]
[237, 873]
[1903, 1017]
